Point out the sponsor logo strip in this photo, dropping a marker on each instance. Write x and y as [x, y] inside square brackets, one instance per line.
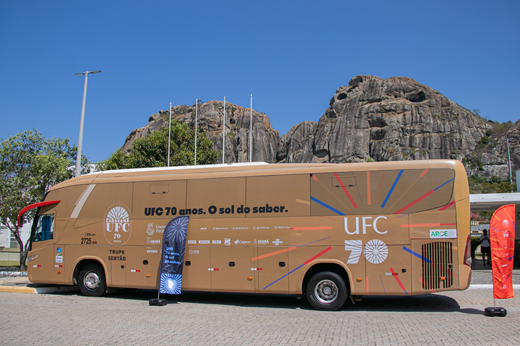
[443, 233]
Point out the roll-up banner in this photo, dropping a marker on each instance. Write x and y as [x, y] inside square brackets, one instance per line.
[172, 259]
[502, 234]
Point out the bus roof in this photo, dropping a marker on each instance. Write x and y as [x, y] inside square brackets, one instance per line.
[248, 169]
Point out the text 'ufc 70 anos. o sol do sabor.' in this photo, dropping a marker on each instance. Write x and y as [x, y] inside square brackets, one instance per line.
[214, 210]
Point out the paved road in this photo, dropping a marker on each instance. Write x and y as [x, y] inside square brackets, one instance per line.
[125, 318]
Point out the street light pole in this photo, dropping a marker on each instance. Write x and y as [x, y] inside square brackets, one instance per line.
[224, 133]
[509, 163]
[80, 140]
[169, 134]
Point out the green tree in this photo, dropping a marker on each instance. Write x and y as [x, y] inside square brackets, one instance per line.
[29, 166]
[152, 151]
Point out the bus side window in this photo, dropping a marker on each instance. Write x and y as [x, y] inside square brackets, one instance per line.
[44, 228]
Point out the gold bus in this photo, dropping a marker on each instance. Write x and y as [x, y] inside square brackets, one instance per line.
[326, 231]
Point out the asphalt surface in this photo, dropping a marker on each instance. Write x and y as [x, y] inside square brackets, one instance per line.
[126, 318]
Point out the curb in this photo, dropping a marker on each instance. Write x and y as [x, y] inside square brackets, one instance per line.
[12, 274]
[38, 290]
[480, 286]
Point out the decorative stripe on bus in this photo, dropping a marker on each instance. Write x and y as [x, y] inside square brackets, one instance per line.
[425, 259]
[326, 206]
[380, 278]
[392, 188]
[274, 253]
[357, 187]
[422, 197]
[395, 275]
[304, 263]
[369, 199]
[285, 250]
[311, 228]
[447, 206]
[416, 254]
[420, 176]
[420, 278]
[333, 195]
[81, 202]
[409, 225]
[345, 190]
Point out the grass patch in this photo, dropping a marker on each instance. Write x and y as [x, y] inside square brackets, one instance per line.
[10, 264]
[12, 249]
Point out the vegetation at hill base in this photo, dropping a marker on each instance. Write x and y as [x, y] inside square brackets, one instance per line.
[152, 150]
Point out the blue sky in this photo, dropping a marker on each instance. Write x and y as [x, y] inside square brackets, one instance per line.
[291, 55]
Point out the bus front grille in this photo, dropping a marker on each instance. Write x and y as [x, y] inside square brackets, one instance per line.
[437, 265]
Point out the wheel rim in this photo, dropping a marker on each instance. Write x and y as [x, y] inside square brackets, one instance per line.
[92, 281]
[326, 291]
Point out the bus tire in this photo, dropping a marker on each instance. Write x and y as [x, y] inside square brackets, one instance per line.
[326, 291]
[91, 280]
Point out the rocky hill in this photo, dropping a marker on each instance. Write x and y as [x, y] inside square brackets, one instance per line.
[382, 119]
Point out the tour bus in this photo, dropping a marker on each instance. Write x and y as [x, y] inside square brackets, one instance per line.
[325, 231]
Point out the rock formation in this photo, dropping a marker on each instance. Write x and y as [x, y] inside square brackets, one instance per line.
[383, 119]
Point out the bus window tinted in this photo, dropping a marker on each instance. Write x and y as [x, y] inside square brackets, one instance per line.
[45, 228]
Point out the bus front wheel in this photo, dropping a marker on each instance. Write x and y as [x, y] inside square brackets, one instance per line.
[326, 291]
[91, 280]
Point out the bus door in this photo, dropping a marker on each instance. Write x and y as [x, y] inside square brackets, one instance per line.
[143, 266]
[43, 253]
[388, 268]
[272, 267]
[231, 269]
[195, 273]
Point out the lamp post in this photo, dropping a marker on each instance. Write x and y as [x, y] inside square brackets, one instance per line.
[169, 134]
[224, 133]
[196, 114]
[509, 163]
[80, 140]
[251, 131]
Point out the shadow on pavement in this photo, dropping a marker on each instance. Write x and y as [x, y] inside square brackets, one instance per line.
[421, 303]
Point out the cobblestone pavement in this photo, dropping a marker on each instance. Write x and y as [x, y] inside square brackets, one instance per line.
[125, 318]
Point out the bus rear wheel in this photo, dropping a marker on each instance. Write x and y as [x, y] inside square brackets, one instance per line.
[326, 291]
[91, 280]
